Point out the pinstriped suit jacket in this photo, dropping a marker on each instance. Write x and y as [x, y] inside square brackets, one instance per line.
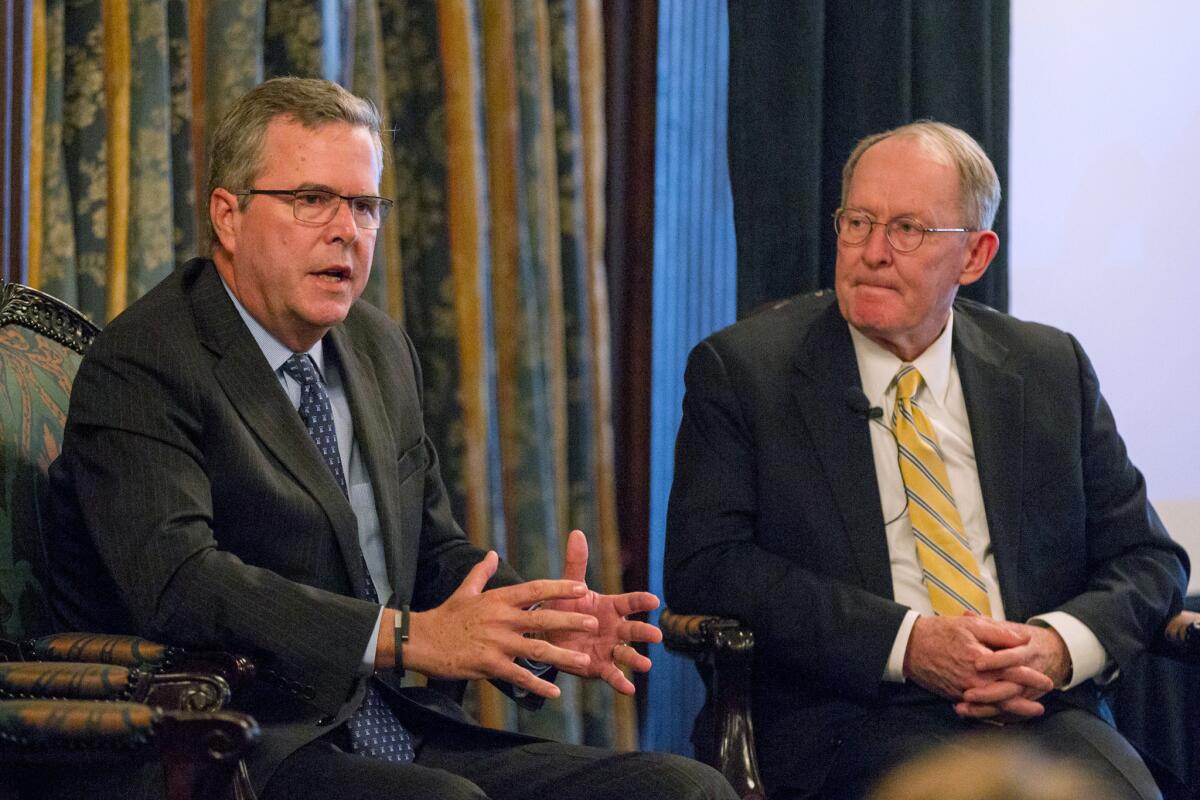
[775, 518]
[194, 508]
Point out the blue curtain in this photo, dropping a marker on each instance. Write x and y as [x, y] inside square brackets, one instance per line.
[695, 288]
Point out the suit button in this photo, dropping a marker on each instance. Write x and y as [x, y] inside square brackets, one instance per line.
[323, 721]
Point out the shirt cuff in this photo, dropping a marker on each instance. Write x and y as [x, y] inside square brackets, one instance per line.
[368, 665]
[1089, 659]
[894, 671]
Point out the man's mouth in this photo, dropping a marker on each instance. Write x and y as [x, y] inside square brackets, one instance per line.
[334, 274]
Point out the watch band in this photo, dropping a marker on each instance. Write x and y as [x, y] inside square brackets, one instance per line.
[402, 615]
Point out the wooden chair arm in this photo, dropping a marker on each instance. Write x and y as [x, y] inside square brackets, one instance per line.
[134, 652]
[699, 634]
[723, 650]
[1181, 638]
[201, 752]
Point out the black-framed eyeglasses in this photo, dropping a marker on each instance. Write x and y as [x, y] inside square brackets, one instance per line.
[318, 206]
[904, 233]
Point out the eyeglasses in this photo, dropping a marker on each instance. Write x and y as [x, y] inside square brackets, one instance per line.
[317, 206]
[904, 234]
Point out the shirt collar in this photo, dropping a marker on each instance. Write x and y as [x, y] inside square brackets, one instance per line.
[274, 350]
[877, 365]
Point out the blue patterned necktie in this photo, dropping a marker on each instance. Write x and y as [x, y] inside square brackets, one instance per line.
[374, 729]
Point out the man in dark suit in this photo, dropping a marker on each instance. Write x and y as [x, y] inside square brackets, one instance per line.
[245, 467]
[920, 505]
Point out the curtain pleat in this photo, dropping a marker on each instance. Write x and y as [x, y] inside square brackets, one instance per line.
[37, 133]
[57, 270]
[493, 256]
[466, 182]
[84, 136]
[151, 231]
[590, 35]
[385, 287]
[117, 88]
[181, 173]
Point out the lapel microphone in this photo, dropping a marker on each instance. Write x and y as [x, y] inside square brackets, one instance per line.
[860, 406]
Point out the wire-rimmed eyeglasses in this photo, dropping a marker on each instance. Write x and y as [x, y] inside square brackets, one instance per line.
[318, 206]
[904, 233]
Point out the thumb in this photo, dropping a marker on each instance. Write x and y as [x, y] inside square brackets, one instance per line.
[575, 562]
[480, 574]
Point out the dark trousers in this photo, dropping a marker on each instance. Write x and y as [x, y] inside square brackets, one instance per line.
[456, 764]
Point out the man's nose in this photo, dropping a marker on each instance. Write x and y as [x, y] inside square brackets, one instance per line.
[877, 250]
[343, 225]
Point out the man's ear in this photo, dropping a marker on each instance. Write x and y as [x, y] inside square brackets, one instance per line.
[983, 250]
[226, 216]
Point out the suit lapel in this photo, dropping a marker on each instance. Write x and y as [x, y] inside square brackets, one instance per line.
[374, 436]
[254, 391]
[826, 368]
[995, 406]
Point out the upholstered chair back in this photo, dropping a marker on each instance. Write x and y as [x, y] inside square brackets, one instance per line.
[42, 341]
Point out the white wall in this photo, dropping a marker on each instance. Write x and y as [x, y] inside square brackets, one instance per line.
[1104, 192]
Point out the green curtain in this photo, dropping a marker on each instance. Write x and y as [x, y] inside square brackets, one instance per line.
[510, 356]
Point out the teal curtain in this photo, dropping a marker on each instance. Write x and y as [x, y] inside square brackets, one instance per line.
[124, 95]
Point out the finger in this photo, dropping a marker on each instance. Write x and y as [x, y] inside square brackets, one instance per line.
[625, 655]
[634, 631]
[617, 680]
[993, 693]
[633, 603]
[575, 562]
[997, 635]
[1030, 678]
[547, 620]
[480, 574]
[976, 710]
[519, 676]
[1023, 707]
[1032, 682]
[999, 660]
[542, 651]
[526, 594]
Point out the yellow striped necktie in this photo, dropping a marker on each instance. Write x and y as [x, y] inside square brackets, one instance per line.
[949, 570]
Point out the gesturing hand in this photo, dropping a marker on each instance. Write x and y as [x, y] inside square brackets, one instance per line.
[477, 633]
[607, 646]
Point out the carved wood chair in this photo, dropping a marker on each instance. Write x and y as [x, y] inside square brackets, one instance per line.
[71, 696]
[723, 650]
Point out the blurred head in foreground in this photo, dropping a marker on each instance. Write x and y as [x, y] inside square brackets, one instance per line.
[989, 768]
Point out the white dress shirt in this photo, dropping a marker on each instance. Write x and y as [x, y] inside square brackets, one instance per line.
[941, 398]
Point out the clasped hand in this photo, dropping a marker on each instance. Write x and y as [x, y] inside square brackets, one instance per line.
[992, 669]
[477, 633]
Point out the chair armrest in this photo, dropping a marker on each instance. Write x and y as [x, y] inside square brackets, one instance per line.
[70, 680]
[141, 654]
[723, 650]
[1181, 638]
[99, 648]
[701, 635]
[201, 752]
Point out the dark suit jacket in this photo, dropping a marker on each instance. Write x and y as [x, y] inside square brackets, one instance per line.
[774, 516]
[196, 510]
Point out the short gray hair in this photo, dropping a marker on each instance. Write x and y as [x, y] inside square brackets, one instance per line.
[978, 184]
[236, 146]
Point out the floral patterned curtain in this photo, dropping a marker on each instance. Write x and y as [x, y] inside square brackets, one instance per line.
[492, 258]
